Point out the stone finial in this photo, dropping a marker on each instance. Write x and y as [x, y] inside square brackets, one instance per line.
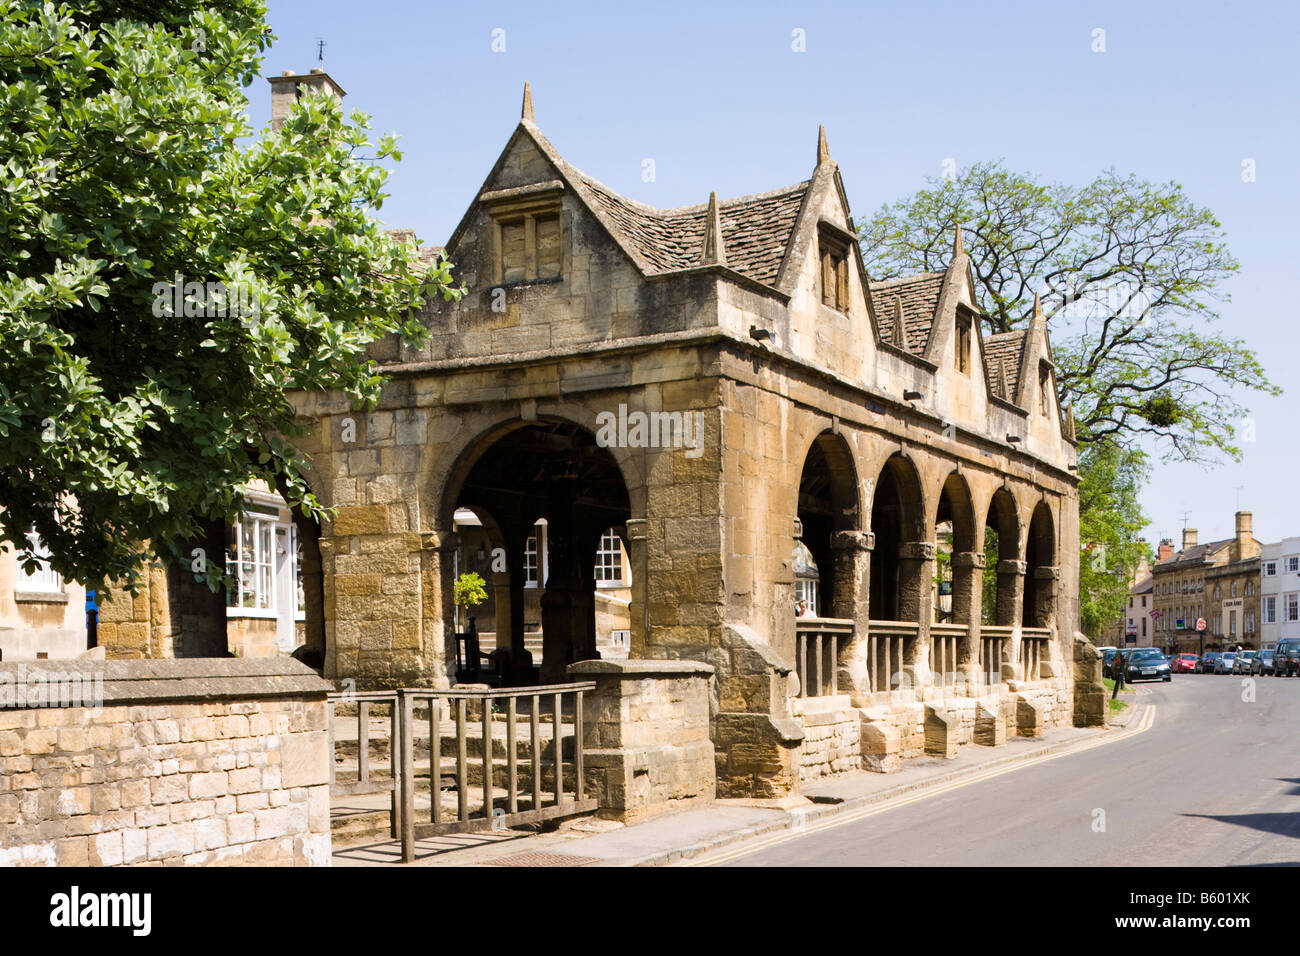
[957, 249]
[527, 113]
[1038, 307]
[823, 150]
[900, 333]
[715, 253]
[1069, 422]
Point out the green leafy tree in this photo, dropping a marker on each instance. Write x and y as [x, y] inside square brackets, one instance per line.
[1131, 275]
[127, 167]
[1110, 520]
[469, 589]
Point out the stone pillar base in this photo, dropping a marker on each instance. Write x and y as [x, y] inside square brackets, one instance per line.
[990, 727]
[757, 755]
[1031, 717]
[940, 733]
[646, 746]
[882, 746]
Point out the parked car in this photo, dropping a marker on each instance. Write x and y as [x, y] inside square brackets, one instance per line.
[1184, 664]
[1146, 663]
[1206, 664]
[1223, 663]
[1263, 662]
[1107, 656]
[1241, 663]
[1286, 657]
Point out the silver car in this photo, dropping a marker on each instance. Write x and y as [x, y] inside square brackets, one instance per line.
[1241, 664]
[1223, 663]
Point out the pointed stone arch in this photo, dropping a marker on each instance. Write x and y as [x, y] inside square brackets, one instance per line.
[903, 549]
[829, 514]
[1041, 571]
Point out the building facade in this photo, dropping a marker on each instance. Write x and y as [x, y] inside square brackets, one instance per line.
[1279, 612]
[723, 392]
[1217, 582]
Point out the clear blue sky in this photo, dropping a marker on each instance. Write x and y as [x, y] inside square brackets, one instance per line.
[715, 95]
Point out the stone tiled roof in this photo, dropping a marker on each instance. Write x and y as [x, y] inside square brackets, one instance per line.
[1002, 353]
[919, 296]
[1193, 555]
[755, 229]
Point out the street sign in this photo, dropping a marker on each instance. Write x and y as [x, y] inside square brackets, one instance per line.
[1200, 623]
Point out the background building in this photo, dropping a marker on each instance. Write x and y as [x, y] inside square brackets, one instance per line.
[1218, 581]
[1279, 612]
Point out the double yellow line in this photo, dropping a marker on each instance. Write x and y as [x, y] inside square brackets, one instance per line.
[1142, 724]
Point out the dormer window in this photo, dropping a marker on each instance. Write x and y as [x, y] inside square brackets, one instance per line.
[834, 252]
[528, 246]
[961, 357]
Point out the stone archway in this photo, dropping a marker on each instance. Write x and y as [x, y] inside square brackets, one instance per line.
[829, 516]
[552, 468]
[903, 551]
[1004, 571]
[1041, 573]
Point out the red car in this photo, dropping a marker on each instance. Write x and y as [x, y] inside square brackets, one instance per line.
[1184, 664]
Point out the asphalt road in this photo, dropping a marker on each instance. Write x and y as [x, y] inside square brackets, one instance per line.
[1214, 781]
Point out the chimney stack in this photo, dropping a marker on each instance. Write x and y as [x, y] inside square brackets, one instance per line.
[1189, 538]
[1165, 550]
[288, 86]
[1245, 539]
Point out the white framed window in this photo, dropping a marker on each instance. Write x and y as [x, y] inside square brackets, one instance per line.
[535, 557]
[805, 589]
[1250, 622]
[1270, 569]
[1293, 563]
[609, 560]
[44, 580]
[1293, 606]
[250, 562]
[1270, 609]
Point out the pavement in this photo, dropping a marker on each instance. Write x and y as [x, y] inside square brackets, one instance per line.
[731, 826]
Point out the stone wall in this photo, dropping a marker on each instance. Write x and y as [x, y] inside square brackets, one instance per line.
[646, 736]
[200, 762]
[832, 736]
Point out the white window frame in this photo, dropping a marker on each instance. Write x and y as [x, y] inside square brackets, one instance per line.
[1293, 563]
[1270, 608]
[1292, 606]
[45, 580]
[535, 569]
[1270, 569]
[263, 564]
[609, 560]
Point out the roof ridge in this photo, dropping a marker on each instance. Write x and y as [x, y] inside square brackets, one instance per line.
[692, 209]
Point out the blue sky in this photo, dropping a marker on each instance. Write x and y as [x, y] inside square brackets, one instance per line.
[715, 95]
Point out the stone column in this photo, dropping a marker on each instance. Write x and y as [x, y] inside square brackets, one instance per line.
[1011, 601]
[851, 599]
[967, 606]
[568, 605]
[437, 604]
[638, 561]
[916, 584]
[1047, 579]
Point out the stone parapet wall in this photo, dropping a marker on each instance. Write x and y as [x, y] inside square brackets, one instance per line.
[831, 742]
[196, 762]
[646, 744]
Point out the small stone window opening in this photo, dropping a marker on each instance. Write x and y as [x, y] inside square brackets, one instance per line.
[1044, 389]
[963, 344]
[528, 245]
[834, 272]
